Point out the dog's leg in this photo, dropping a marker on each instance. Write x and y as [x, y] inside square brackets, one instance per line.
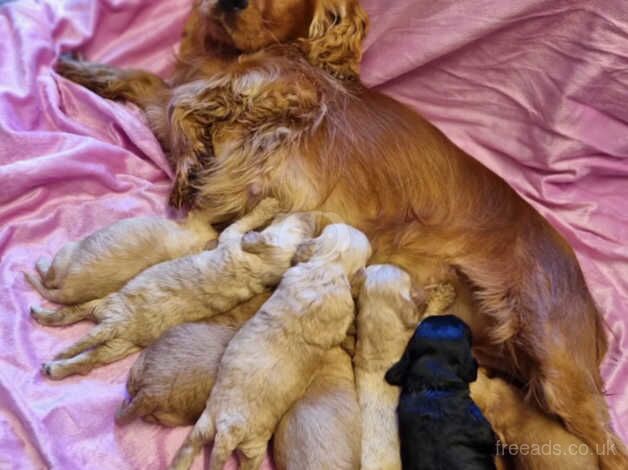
[203, 432]
[83, 363]
[136, 86]
[65, 315]
[262, 213]
[551, 337]
[98, 335]
[252, 459]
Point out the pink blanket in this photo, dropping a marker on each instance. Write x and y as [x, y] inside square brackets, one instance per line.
[535, 89]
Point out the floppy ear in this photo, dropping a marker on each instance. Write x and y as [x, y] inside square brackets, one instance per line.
[255, 243]
[304, 252]
[469, 369]
[335, 37]
[398, 371]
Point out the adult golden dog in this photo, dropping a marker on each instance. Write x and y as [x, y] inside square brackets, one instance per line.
[266, 101]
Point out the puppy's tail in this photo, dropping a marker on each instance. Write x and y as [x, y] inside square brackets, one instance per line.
[203, 432]
[135, 407]
[54, 295]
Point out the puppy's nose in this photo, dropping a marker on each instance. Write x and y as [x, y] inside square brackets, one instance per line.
[233, 5]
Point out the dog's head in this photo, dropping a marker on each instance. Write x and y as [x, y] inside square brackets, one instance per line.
[437, 356]
[330, 31]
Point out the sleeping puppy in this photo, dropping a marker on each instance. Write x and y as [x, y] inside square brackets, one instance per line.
[171, 380]
[192, 288]
[439, 425]
[104, 261]
[321, 431]
[271, 360]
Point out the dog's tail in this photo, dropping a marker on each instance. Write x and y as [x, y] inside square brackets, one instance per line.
[54, 295]
[135, 407]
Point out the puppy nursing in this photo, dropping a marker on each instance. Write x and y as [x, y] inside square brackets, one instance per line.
[187, 289]
[439, 425]
[269, 363]
[113, 255]
[321, 431]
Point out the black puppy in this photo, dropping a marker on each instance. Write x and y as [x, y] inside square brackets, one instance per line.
[440, 428]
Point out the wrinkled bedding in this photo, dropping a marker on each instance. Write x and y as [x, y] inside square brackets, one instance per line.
[535, 89]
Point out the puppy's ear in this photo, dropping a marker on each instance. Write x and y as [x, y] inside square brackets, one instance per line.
[304, 252]
[357, 281]
[398, 371]
[335, 37]
[469, 369]
[255, 243]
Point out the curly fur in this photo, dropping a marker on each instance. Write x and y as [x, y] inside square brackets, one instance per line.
[270, 362]
[187, 289]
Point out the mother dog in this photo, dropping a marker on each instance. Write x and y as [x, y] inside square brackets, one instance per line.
[266, 101]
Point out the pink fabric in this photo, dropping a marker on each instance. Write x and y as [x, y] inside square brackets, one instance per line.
[535, 89]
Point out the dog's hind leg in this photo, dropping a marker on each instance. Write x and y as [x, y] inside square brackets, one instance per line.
[65, 315]
[203, 432]
[84, 362]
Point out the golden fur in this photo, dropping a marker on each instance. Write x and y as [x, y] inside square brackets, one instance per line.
[111, 256]
[170, 381]
[191, 288]
[549, 445]
[321, 431]
[270, 362]
[243, 119]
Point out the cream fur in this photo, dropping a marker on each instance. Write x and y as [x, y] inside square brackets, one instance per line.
[386, 319]
[321, 431]
[270, 362]
[111, 256]
[187, 289]
[172, 378]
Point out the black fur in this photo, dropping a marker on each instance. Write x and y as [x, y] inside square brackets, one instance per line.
[440, 428]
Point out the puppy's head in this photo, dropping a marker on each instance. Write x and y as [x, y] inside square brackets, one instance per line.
[390, 287]
[437, 356]
[285, 234]
[338, 243]
[331, 31]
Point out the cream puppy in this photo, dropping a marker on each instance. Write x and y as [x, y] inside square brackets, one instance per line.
[387, 317]
[187, 289]
[172, 378]
[105, 260]
[321, 431]
[270, 362]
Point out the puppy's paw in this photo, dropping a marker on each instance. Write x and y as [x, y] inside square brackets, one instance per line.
[52, 370]
[440, 298]
[269, 206]
[41, 315]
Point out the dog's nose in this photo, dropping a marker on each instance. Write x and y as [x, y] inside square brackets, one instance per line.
[233, 5]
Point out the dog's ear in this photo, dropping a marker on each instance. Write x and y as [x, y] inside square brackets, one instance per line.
[469, 369]
[398, 371]
[304, 251]
[255, 243]
[335, 37]
[357, 281]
